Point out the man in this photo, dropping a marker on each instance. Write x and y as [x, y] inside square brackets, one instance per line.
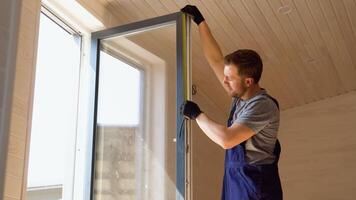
[250, 138]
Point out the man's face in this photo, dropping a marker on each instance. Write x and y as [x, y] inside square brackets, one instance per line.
[235, 84]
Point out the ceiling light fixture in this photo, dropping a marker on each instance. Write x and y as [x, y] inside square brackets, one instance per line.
[286, 9]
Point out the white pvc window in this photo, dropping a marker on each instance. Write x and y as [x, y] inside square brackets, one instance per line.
[54, 119]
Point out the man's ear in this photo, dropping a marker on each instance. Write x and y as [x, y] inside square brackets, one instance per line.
[249, 81]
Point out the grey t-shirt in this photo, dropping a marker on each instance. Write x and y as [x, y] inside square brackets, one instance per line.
[261, 114]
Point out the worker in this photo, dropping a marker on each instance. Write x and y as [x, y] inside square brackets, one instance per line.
[250, 137]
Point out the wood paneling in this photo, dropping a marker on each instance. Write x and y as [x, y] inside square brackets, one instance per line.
[13, 186]
[318, 147]
[21, 102]
[307, 45]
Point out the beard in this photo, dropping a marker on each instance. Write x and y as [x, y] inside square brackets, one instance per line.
[241, 92]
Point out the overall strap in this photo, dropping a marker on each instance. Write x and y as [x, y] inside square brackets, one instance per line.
[277, 147]
[232, 111]
[274, 100]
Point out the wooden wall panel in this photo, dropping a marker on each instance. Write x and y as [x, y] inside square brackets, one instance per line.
[318, 149]
[318, 55]
[16, 167]
[9, 26]
[307, 46]
[208, 157]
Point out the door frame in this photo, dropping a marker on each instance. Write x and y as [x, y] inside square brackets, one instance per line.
[183, 63]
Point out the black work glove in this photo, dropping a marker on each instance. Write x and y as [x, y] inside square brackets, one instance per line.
[191, 109]
[194, 11]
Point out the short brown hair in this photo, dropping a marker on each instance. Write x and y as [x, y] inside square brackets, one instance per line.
[248, 63]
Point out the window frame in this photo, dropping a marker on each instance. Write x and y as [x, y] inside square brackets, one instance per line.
[182, 22]
[80, 38]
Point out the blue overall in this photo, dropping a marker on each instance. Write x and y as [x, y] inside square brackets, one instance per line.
[243, 181]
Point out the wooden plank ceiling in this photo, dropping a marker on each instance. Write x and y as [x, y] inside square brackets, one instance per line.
[308, 46]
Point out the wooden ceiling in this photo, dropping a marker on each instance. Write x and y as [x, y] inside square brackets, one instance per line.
[308, 46]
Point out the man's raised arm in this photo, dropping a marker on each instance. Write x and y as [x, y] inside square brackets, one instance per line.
[210, 47]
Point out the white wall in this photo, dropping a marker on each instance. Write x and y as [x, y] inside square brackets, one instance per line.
[319, 149]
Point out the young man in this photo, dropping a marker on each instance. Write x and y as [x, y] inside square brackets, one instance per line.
[250, 137]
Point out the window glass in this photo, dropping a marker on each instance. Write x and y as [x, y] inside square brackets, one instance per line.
[135, 147]
[54, 119]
